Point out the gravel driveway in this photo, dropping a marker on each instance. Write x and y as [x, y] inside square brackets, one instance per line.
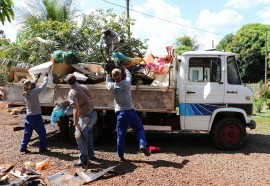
[185, 158]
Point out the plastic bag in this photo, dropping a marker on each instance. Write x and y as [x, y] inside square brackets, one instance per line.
[42, 165]
[121, 59]
[67, 57]
[60, 111]
[158, 66]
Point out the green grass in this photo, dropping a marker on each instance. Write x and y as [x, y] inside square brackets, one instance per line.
[263, 121]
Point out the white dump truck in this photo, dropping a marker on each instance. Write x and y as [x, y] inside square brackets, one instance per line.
[204, 93]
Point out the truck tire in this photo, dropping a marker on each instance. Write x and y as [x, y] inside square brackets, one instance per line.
[96, 132]
[229, 134]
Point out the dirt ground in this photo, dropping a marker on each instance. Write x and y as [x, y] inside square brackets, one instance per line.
[185, 158]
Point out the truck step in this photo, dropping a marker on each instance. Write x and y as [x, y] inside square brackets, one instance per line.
[159, 128]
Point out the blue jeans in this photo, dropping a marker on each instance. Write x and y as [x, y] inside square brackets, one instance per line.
[34, 122]
[124, 120]
[86, 123]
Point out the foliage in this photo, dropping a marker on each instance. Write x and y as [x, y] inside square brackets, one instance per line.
[268, 103]
[249, 44]
[263, 91]
[262, 121]
[262, 97]
[3, 39]
[38, 39]
[92, 26]
[186, 43]
[44, 10]
[258, 105]
[3, 78]
[225, 43]
[6, 11]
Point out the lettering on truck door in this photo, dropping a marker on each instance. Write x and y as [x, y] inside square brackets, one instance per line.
[204, 91]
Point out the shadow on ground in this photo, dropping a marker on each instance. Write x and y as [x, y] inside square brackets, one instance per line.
[178, 143]
[186, 144]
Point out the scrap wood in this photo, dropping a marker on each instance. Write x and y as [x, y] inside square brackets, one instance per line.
[18, 174]
[30, 180]
[91, 75]
[4, 178]
[82, 70]
[83, 175]
[88, 176]
[5, 169]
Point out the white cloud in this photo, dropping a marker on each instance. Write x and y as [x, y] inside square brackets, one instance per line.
[10, 30]
[90, 10]
[221, 22]
[245, 4]
[159, 32]
[240, 4]
[218, 22]
[208, 41]
[264, 15]
[81, 3]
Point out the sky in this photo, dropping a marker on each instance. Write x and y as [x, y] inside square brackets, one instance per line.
[163, 21]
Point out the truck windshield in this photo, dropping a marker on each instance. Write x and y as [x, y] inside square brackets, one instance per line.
[204, 69]
[232, 71]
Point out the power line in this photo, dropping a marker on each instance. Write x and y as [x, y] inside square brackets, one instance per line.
[165, 19]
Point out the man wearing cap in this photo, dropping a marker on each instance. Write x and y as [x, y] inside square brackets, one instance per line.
[126, 115]
[84, 117]
[111, 39]
[33, 120]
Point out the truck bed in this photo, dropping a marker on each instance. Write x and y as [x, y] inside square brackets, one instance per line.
[145, 98]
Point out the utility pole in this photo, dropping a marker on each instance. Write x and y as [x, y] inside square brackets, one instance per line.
[127, 1]
[266, 56]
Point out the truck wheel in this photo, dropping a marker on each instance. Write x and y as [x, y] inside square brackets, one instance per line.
[96, 132]
[229, 134]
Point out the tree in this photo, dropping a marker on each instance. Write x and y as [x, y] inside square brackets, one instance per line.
[225, 43]
[44, 10]
[38, 17]
[6, 11]
[186, 43]
[249, 44]
[84, 39]
[3, 39]
[92, 25]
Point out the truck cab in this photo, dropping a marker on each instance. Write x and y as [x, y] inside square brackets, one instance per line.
[212, 97]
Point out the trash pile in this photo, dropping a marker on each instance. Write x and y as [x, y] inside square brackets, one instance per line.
[31, 174]
[150, 70]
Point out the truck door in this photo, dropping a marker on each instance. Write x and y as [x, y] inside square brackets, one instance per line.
[236, 95]
[204, 90]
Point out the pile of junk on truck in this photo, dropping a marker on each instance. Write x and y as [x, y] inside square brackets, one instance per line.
[151, 70]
